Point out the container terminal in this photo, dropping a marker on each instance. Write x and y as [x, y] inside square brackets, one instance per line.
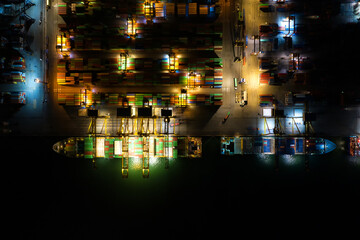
[178, 118]
[97, 68]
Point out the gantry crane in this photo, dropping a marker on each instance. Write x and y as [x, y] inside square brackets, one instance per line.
[124, 114]
[166, 151]
[146, 156]
[124, 133]
[278, 131]
[309, 130]
[125, 157]
[144, 132]
[279, 117]
[92, 130]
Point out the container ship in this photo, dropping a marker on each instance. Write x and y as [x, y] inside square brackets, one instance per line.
[130, 147]
[275, 145]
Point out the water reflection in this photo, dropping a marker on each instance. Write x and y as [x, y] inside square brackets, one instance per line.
[291, 160]
[354, 161]
[140, 159]
[135, 163]
[283, 162]
[266, 159]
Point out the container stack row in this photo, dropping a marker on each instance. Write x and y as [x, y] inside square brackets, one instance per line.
[139, 99]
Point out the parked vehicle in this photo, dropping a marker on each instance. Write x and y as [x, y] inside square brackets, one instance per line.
[244, 98]
[226, 117]
[235, 83]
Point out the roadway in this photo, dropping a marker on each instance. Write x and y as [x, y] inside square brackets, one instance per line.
[30, 118]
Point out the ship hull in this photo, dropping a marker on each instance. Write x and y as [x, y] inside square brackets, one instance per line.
[275, 145]
[134, 146]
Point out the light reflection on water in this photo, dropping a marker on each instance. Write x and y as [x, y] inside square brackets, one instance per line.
[158, 165]
[266, 159]
[290, 160]
[154, 162]
[136, 163]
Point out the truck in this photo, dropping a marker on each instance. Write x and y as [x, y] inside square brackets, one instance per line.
[244, 98]
[235, 83]
[237, 97]
[226, 117]
[241, 15]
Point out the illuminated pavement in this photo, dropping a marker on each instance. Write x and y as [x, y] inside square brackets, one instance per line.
[31, 116]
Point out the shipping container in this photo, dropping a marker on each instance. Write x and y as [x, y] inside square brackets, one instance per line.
[170, 8]
[62, 9]
[159, 10]
[204, 10]
[12, 98]
[181, 9]
[192, 8]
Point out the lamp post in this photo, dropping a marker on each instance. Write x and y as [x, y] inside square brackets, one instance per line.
[37, 80]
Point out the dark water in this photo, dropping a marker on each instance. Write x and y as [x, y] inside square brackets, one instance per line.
[52, 197]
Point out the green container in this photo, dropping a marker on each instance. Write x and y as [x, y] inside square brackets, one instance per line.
[88, 147]
[175, 153]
